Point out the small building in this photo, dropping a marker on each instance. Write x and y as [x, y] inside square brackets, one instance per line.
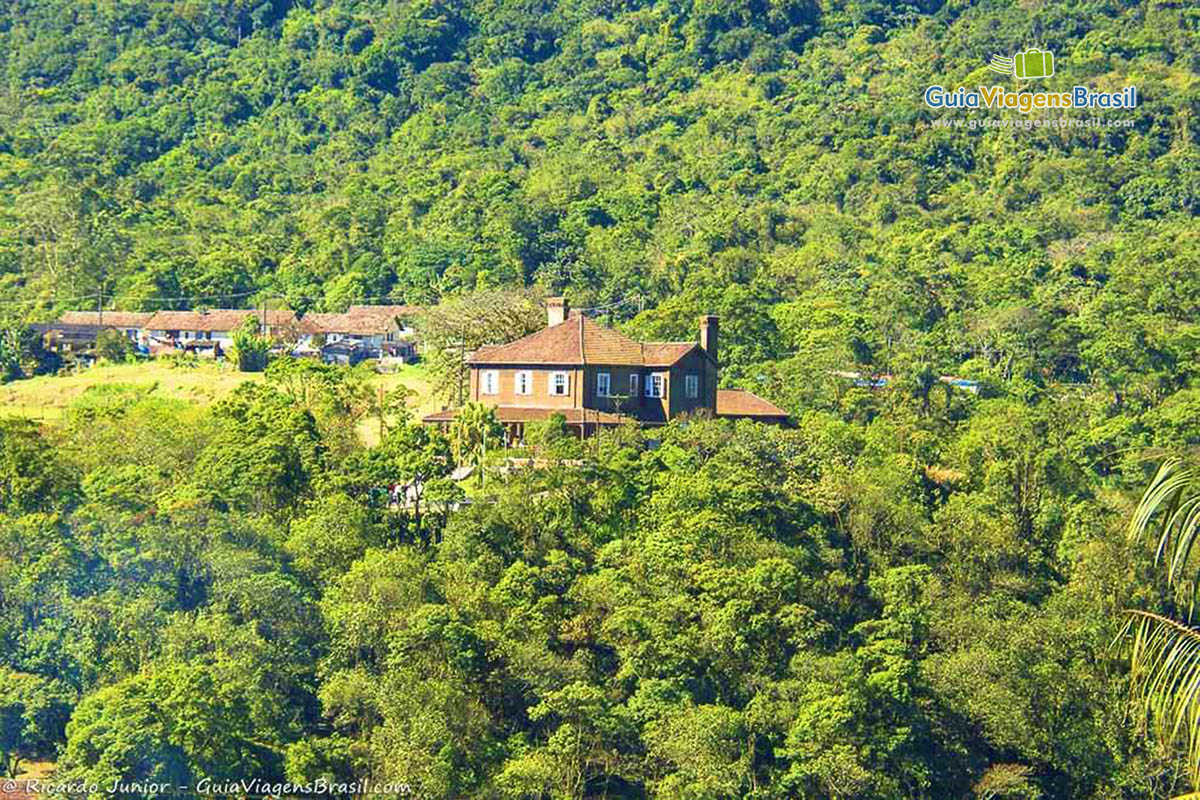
[382, 330]
[346, 352]
[68, 337]
[181, 327]
[403, 316]
[130, 323]
[595, 377]
[740, 404]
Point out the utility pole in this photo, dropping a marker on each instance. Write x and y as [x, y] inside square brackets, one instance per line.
[381, 412]
[100, 306]
[462, 360]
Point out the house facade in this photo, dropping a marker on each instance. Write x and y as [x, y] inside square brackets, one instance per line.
[218, 324]
[379, 330]
[130, 323]
[595, 376]
[77, 331]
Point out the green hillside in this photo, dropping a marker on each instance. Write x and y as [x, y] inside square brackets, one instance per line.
[917, 590]
[768, 161]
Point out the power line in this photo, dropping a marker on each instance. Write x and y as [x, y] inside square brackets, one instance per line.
[179, 299]
[615, 304]
[192, 299]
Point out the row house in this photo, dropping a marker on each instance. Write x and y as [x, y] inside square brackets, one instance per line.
[218, 324]
[362, 332]
[130, 323]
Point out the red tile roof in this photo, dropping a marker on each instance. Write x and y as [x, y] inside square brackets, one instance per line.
[579, 340]
[740, 403]
[358, 324]
[359, 320]
[116, 319]
[664, 354]
[386, 311]
[217, 319]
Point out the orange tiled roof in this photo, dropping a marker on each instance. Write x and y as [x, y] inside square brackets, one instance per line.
[116, 319]
[316, 322]
[385, 311]
[580, 340]
[664, 354]
[217, 319]
[740, 403]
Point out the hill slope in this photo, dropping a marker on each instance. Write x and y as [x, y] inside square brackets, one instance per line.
[768, 161]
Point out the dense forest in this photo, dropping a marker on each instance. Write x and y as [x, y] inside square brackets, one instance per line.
[913, 592]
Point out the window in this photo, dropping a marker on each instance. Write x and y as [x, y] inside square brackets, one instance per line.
[691, 385]
[490, 382]
[560, 383]
[655, 383]
[524, 382]
[603, 384]
[633, 385]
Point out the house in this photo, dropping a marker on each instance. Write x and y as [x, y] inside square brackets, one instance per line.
[218, 324]
[381, 330]
[402, 315]
[740, 404]
[595, 376]
[68, 337]
[130, 323]
[346, 352]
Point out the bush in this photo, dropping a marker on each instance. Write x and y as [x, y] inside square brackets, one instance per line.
[250, 348]
[114, 346]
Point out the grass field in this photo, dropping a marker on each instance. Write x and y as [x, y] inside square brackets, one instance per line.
[48, 396]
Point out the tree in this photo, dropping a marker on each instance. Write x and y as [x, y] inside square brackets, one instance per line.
[418, 458]
[1164, 651]
[458, 325]
[472, 432]
[266, 454]
[114, 346]
[250, 347]
[33, 476]
[334, 534]
[33, 716]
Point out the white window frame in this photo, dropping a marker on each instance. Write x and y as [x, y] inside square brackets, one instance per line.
[634, 387]
[691, 383]
[524, 378]
[604, 384]
[656, 384]
[489, 381]
[566, 384]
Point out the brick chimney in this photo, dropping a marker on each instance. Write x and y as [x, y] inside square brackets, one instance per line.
[557, 311]
[708, 336]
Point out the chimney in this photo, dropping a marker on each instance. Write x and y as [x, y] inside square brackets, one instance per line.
[708, 336]
[557, 311]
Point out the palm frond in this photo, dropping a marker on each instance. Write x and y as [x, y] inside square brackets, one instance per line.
[1165, 681]
[1173, 498]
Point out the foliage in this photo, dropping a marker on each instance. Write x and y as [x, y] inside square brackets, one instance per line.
[113, 345]
[911, 593]
[473, 431]
[250, 347]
